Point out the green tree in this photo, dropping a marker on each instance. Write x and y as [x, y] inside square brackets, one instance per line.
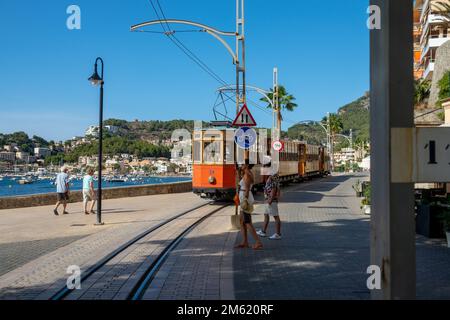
[41, 142]
[285, 102]
[336, 126]
[444, 88]
[422, 89]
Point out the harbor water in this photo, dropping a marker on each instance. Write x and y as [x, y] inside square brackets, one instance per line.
[10, 186]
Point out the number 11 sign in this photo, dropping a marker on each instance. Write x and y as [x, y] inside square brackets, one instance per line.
[420, 155]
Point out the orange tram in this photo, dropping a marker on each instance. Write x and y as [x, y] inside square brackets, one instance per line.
[214, 167]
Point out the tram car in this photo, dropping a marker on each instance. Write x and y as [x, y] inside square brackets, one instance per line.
[214, 167]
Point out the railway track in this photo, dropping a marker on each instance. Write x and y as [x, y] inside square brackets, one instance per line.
[141, 279]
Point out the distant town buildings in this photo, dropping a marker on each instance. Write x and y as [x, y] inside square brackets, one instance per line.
[7, 156]
[345, 155]
[92, 131]
[25, 157]
[11, 147]
[42, 152]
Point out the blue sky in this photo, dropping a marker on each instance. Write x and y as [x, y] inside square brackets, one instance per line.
[320, 47]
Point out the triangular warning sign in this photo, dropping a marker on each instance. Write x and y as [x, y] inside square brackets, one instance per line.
[244, 118]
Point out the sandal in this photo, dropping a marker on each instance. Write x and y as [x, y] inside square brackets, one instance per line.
[242, 246]
[258, 246]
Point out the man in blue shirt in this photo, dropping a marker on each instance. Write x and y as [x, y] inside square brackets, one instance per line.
[62, 190]
[88, 191]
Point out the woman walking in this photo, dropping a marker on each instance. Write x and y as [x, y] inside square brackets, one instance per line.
[246, 203]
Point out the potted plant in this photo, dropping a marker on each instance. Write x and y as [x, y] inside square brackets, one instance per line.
[445, 218]
[366, 202]
[358, 188]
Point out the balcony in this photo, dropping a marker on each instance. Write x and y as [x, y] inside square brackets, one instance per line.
[427, 74]
[433, 19]
[434, 43]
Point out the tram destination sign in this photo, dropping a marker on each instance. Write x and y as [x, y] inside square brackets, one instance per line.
[420, 155]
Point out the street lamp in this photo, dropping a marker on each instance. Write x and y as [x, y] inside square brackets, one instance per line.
[96, 80]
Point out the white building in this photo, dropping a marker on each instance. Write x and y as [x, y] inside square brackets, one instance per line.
[112, 129]
[11, 147]
[92, 131]
[25, 157]
[42, 152]
[7, 156]
[87, 161]
[365, 164]
[345, 155]
[435, 25]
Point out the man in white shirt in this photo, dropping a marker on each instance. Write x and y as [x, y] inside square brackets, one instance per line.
[62, 190]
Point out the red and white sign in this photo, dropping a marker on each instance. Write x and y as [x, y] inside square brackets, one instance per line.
[278, 146]
[244, 118]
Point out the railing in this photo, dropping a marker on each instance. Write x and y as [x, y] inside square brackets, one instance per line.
[111, 193]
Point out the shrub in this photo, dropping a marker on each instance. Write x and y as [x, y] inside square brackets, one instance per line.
[444, 88]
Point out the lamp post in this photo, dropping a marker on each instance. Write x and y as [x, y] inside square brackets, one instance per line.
[96, 80]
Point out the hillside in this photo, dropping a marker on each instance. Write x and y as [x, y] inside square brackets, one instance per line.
[150, 130]
[355, 115]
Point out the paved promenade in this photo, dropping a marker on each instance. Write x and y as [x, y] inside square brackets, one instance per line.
[324, 253]
[36, 247]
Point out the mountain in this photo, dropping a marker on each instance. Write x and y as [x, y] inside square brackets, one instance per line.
[149, 130]
[355, 115]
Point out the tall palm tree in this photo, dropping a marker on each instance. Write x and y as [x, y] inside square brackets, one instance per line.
[285, 102]
[336, 127]
[443, 7]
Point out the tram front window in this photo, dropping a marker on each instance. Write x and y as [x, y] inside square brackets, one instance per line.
[212, 152]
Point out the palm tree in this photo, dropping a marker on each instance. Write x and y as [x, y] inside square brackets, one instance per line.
[285, 102]
[336, 127]
[443, 7]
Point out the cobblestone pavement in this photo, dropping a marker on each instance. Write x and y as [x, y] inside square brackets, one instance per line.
[324, 252]
[13, 255]
[45, 271]
[118, 277]
[200, 268]
[433, 269]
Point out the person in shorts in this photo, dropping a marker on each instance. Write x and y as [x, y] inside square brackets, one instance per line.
[246, 195]
[89, 192]
[271, 195]
[62, 190]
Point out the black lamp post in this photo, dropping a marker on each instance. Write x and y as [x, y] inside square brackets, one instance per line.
[96, 80]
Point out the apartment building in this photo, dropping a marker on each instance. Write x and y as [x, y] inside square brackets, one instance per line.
[431, 30]
[417, 31]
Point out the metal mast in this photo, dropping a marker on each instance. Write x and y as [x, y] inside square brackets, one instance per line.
[241, 98]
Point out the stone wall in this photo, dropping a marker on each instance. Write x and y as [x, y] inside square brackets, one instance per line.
[441, 66]
[113, 193]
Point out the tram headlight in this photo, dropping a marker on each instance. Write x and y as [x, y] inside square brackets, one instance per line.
[212, 180]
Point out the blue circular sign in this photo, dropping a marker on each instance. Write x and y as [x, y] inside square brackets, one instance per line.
[245, 138]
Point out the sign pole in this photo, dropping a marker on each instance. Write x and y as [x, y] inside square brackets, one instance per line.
[240, 69]
[392, 222]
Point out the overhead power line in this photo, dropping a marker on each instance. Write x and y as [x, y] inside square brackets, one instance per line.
[192, 56]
